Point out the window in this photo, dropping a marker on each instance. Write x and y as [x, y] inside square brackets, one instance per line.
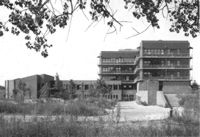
[178, 74]
[178, 62]
[178, 51]
[162, 52]
[78, 87]
[115, 87]
[160, 85]
[86, 87]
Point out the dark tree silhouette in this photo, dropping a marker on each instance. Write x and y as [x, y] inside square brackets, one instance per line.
[194, 86]
[102, 87]
[37, 18]
[72, 89]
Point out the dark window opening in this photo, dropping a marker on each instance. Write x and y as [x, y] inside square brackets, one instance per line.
[86, 87]
[160, 85]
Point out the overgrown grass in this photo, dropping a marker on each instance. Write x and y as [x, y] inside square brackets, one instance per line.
[90, 107]
[62, 128]
[177, 126]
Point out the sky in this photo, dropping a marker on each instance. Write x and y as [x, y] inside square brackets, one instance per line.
[74, 53]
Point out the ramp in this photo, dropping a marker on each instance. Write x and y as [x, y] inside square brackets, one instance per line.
[172, 100]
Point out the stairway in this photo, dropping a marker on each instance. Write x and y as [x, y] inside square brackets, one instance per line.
[172, 100]
[44, 91]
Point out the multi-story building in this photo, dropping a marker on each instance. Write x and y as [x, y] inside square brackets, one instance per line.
[117, 70]
[167, 62]
[153, 66]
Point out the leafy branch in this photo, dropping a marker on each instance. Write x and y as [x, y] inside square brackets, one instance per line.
[37, 18]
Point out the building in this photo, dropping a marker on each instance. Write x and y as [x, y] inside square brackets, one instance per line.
[155, 71]
[117, 70]
[2, 92]
[154, 66]
[83, 88]
[27, 87]
[168, 62]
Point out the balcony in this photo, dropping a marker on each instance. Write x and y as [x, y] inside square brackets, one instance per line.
[164, 66]
[171, 55]
[116, 63]
[117, 73]
[168, 78]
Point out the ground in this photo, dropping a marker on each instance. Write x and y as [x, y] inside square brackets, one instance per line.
[129, 111]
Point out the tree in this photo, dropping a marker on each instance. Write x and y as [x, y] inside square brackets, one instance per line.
[23, 89]
[194, 86]
[92, 91]
[15, 92]
[37, 18]
[72, 89]
[102, 88]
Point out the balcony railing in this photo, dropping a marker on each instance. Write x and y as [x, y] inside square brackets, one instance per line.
[117, 63]
[169, 55]
[117, 72]
[168, 77]
[166, 66]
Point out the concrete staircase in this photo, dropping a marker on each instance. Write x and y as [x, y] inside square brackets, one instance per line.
[172, 100]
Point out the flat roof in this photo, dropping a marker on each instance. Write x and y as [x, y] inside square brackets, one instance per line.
[165, 44]
[120, 53]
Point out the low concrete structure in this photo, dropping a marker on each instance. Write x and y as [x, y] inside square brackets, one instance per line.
[160, 99]
[27, 87]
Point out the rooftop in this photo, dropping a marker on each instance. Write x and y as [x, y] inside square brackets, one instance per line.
[165, 44]
[119, 54]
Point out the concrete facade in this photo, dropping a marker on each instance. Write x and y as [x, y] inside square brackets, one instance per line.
[2, 92]
[154, 67]
[116, 68]
[27, 87]
[168, 63]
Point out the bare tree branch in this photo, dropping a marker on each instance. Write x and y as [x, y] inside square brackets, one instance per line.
[139, 32]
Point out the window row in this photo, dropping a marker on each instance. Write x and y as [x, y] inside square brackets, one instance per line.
[117, 69]
[161, 51]
[79, 86]
[165, 63]
[172, 74]
[118, 60]
[111, 96]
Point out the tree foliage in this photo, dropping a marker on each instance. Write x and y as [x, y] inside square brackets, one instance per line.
[72, 89]
[38, 18]
[102, 87]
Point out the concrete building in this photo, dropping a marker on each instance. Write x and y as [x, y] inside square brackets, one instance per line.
[2, 92]
[167, 63]
[117, 70]
[27, 87]
[153, 71]
[83, 88]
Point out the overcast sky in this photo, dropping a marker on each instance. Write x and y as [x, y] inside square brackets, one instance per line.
[74, 56]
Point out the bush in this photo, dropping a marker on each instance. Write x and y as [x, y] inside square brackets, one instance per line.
[75, 107]
[83, 108]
